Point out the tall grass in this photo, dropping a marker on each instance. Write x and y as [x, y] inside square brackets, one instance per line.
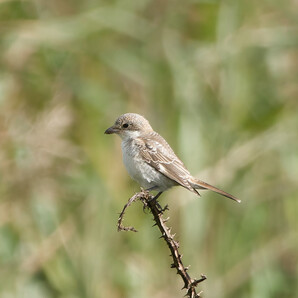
[218, 79]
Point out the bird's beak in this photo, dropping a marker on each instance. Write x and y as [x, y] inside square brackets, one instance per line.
[112, 129]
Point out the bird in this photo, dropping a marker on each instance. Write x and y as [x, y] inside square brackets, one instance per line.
[151, 161]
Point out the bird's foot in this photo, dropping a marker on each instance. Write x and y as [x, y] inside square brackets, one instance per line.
[148, 199]
[153, 201]
[145, 194]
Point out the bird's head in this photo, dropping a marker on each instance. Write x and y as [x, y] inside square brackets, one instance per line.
[129, 125]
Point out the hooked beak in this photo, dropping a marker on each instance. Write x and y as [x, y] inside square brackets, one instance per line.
[112, 129]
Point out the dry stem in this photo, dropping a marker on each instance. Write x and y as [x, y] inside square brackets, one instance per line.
[157, 212]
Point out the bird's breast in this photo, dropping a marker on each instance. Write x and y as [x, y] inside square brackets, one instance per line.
[139, 169]
[131, 158]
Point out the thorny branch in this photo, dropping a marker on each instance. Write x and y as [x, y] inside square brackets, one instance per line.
[157, 212]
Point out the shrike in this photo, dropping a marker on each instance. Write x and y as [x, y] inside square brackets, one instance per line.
[151, 161]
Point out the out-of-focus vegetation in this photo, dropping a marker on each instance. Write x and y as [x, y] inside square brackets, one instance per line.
[218, 79]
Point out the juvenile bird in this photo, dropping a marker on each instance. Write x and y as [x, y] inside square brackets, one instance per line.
[151, 161]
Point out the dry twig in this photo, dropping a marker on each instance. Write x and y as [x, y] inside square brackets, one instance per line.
[157, 212]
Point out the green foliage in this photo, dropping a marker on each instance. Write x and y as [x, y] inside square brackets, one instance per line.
[218, 79]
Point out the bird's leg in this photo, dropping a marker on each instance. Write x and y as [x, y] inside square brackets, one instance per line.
[153, 201]
[156, 197]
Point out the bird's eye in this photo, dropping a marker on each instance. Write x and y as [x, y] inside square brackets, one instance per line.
[125, 125]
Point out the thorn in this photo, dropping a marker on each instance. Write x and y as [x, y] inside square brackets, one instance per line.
[162, 236]
[195, 282]
[173, 265]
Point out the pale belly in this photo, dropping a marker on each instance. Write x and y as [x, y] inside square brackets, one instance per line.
[147, 176]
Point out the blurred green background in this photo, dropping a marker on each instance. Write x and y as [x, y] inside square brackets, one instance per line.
[218, 79]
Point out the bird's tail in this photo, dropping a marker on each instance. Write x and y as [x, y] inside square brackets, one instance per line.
[199, 184]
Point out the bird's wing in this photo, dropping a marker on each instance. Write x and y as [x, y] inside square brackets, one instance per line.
[157, 152]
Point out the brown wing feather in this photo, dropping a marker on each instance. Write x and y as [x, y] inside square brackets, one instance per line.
[158, 153]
